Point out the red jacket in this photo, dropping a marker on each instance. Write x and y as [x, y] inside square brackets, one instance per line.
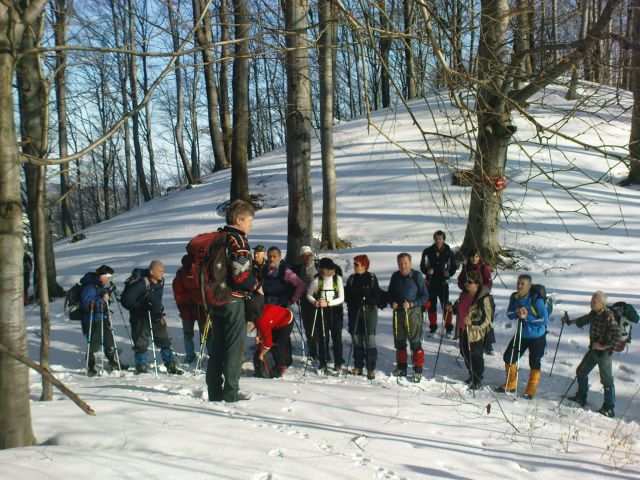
[484, 270]
[273, 318]
[187, 293]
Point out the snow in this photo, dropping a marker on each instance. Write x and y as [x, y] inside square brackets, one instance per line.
[312, 426]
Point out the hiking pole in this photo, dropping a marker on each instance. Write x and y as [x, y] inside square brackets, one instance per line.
[299, 325]
[515, 392]
[366, 339]
[203, 340]
[355, 333]
[435, 366]
[153, 344]
[566, 316]
[313, 332]
[89, 339]
[102, 340]
[124, 322]
[113, 337]
[567, 392]
[325, 340]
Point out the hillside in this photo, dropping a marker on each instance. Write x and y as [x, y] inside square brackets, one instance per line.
[393, 192]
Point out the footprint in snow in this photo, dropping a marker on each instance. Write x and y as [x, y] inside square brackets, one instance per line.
[574, 344]
[287, 409]
[276, 452]
[625, 369]
[263, 476]
[360, 460]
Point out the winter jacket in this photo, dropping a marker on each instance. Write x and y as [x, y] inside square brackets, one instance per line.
[603, 328]
[187, 293]
[273, 318]
[478, 318]
[533, 326]
[143, 300]
[281, 286]
[327, 288]
[443, 262]
[410, 288]
[461, 308]
[485, 273]
[92, 293]
[362, 290]
[306, 273]
[239, 262]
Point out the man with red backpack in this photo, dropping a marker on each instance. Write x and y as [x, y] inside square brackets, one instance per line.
[190, 304]
[228, 320]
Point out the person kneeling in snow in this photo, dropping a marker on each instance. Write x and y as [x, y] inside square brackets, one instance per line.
[274, 328]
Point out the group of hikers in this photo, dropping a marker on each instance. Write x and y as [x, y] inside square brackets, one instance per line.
[260, 291]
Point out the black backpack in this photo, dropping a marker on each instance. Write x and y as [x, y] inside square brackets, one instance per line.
[625, 315]
[137, 275]
[264, 368]
[73, 303]
[540, 291]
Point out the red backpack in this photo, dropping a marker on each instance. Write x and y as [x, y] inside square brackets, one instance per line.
[209, 252]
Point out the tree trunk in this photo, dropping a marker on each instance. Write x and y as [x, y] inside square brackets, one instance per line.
[330, 240]
[203, 38]
[522, 32]
[239, 151]
[225, 111]
[385, 49]
[60, 33]
[575, 73]
[298, 128]
[634, 138]
[554, 28]
[143, 188]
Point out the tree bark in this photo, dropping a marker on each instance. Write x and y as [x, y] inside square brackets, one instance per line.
[225, 111]
[15, 421]
[204, 40]
[634, 137]
[239, 151]
[575, 73]
[385, 49]
[298, 128]
[60, 34]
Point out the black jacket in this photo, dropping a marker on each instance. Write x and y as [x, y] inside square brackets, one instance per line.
[362, 289]
[145, 296]
[441, 262]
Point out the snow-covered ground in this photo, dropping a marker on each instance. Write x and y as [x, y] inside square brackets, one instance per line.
[311, 426]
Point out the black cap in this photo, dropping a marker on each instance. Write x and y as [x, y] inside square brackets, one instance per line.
[327, 263]
[259, 248]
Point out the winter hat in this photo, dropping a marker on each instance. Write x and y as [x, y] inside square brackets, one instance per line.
[327, 263]
[306, 249]
[187, 262]
[104, 270]
[259, 248]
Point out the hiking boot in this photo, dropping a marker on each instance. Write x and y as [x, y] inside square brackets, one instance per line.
[607, 411]
[243, 396]
[476, 385]
[337, 368]
[371, 375]
[433, 329]
[91, 372]
[468, 381]
[142, 368]
[322, 368]
[190, 360]
[279, 371]
[400, 372]
[579, 399]
[356, 371]
[173, 369]
[114, 366]
[416, 377]
[489, 351]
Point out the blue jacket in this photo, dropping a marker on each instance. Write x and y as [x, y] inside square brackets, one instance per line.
[534, 326]
[92, 294]
[411, 288]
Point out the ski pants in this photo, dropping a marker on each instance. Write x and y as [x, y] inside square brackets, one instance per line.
[308, 312]
[362, 327]
[329, 325]
[536, 347]
[472, 352]
[141, 333]
[282, 345]
[602, 359]
[227, 352]
[100, 335]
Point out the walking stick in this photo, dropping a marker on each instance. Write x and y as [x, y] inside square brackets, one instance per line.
[313, 332]
[89, 338]
[124, 322]
[113, 337]
[355, 332]
[565, 317]
[299, 325]
[567, 392]
[102, 339]
[203, 340]
[153, 344]
[435, 366]
[515, 392]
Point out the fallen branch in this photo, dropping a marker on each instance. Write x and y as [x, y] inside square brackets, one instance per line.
[46, 373]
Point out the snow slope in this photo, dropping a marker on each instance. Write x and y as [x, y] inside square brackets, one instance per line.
[311, 426]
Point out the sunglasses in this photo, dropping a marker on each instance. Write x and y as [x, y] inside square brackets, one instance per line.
[357, 264]
[469, 282]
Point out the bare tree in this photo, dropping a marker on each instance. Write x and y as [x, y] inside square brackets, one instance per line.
[634, 138]
[298, 128]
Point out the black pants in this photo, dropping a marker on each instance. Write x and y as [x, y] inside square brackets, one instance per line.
[362, 327]
[536, 347]
[282, 345]
[473, 357]
[100, 335]
[329, 325]
[438, 291]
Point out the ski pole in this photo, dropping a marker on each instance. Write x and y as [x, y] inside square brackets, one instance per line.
[566, 316]
[313, 332]
[153, 344]
[89, 338]
[513, 350]
[203, 340]
[354, 336]
[113, 337]
[325, 340]
[124, 322]
[366, 338]
[102, 339]
[299, 325]
[567, 392]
